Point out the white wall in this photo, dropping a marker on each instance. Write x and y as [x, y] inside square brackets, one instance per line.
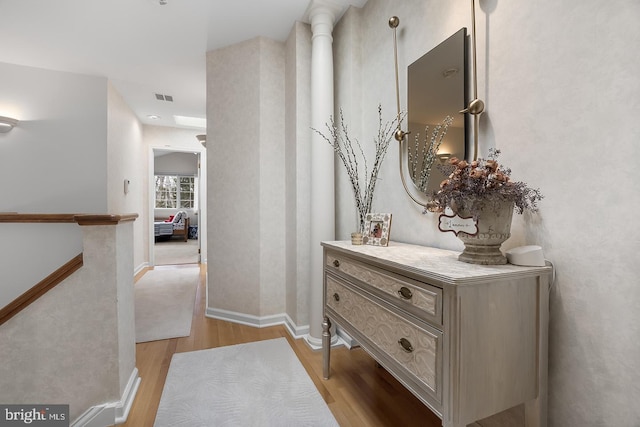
[560, 83]
[176, 163]
[54, 161]
[59, 113]
[127, 154]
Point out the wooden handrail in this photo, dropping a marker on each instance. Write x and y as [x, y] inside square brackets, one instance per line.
[81, 219]
[20, 303]
[92, 219]
[50, 218]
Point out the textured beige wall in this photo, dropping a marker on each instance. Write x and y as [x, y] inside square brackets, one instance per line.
[297, 165]
[76, 344]
[271, 206]
[561, 88]
[233, 178]
[245, 111]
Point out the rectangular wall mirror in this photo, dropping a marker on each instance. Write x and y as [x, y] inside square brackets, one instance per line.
[438, 86]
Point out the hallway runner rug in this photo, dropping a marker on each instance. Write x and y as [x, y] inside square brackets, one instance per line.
[164, 303]
[256, 384]
[176, 252]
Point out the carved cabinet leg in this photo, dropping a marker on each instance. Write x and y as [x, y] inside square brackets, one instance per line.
[326, 347]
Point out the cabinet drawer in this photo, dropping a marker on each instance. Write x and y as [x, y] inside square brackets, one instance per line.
[415, 349]
[425, 298]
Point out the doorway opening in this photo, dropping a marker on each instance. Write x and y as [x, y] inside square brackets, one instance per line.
[176, 207]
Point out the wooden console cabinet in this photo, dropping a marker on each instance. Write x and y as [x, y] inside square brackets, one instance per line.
[468, 340]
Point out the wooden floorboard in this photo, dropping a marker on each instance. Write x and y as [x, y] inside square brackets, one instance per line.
[359, 393]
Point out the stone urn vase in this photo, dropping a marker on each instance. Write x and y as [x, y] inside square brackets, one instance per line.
[494, 227]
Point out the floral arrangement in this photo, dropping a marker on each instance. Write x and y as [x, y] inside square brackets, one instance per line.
[483, 179]
[350, 152]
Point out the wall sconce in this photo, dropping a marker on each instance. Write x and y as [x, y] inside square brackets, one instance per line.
[7, 123]
[202, 139]
[443, 157]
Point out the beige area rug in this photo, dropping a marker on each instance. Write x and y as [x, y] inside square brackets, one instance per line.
[256, 384]
[176, 251]
[164, 302]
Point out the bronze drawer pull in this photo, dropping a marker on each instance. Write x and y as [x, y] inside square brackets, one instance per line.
[405, 293]
[336, 297]
[336, 263]
[406, 345]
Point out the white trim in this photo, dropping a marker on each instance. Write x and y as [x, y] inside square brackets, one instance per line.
[259, 322]
[339, 339]
[345, 339]
[108, 414]
[126, 402]
[314, 343]
[295, 331]
[141, 267]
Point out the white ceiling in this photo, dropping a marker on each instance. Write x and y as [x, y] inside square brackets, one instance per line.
[143, 47]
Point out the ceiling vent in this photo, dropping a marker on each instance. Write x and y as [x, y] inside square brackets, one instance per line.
[161, 97]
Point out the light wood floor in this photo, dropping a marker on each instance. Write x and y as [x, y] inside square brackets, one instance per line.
[358, 393]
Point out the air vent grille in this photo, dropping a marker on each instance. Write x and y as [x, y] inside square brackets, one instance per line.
[161, 97]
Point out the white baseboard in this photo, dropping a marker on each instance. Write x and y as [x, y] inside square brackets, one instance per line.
[340, 338]
[126, 402]
[295, 331]
[141, 267]
[346, 340]
[259, 322]
[108, 414]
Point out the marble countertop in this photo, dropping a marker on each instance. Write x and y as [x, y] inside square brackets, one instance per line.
[438, 264]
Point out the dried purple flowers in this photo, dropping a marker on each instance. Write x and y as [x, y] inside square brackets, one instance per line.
[483, 179]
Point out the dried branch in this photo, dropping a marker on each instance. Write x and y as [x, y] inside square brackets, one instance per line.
[350, 151]
[429, 153]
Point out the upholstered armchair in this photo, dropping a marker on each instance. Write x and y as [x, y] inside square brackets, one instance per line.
[178, 225]
[181, 224]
